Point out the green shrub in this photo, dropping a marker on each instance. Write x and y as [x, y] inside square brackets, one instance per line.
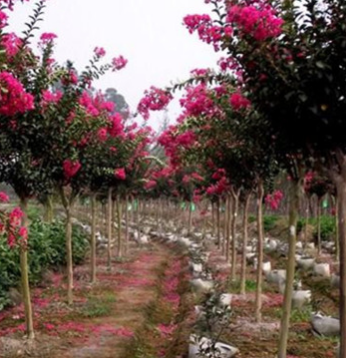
[269, 222]
[327, 226]
[46, 251]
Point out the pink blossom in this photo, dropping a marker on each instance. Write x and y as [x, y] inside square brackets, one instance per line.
[50, 97]
[15, 216]
[155, 99]
[13, 98]
[120, 173]
[238, 101]
[11, 42]
[3, 19]
[4, 198]
[259, 23]
[102, 134]
[118, 63]
[71, 168]
[99, 51]
[47, 37]
[23, 233]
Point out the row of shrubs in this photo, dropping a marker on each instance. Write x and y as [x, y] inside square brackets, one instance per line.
[47, 250]
[271, 223]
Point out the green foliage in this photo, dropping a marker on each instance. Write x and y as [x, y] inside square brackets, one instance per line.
[327, 226]
[269, 222]
[301, 315]
[46, 251]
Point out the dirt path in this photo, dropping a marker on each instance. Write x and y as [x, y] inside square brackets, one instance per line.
[103, 318]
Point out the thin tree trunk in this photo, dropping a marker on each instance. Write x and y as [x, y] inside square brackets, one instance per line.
[213, 219]
[189, 224]
[319, 226]
[109, 229]
[228, 210]
[235, 195]
[306, 223]
[245, 238]
[29, 325]
[218, 224]
[48, 209]
[259, 276]
[126, 224]
[93, 238]
[337, 246]
[340, 183]
[290, 268]
[119, 246]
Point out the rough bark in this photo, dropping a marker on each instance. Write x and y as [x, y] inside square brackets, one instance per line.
[93, 239]
[295, 190]
[235, 196]
[29, 325]
[245, 239]
[259, 276]
[109, 229]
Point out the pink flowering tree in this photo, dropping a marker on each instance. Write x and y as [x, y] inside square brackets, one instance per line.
[290, 63]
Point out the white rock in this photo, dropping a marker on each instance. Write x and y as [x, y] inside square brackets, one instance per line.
[196, 344]
[202, 286]
[276, 276]
[301, 297]
[322, 269]
[306, 263]
[226, 299]
[324, 325]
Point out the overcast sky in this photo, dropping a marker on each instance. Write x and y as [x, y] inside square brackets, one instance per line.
[149, 33]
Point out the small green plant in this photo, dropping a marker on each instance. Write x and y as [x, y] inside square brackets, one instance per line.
[301, 315]
[234, 286]
[46, 251]
[269, 222]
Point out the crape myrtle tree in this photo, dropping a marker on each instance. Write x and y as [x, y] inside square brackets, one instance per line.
[231, 137]
[60, 122]
[291, 62]
[24, 79]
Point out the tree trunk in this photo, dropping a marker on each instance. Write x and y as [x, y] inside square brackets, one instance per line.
[259, 278]
[189, 224]
[337, 246]
[119, 246]
[218, 224]
[213, 219]
[235, 195]
[126, 224]
[319, 226]
[340, 181]
[228, 210]
[245, 238]
[48, 209]
[69, 255]
[296, 185]
[306, 222]
[109, 229]
[93, 238]
[29, 325]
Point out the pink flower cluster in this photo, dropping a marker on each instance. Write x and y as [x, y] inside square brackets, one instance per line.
[197, 101]
[71, 168]
[155, 99]
[120, 173]
[13, 98]
[238, 101]
[118, 63]
[273, 200]
[261, 24]
[10, 42]
[207, 32]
